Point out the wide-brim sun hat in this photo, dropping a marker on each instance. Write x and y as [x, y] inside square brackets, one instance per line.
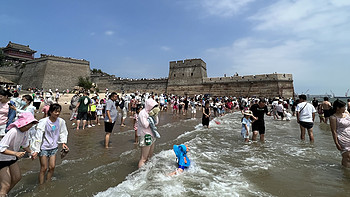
[248, 113]
[24, 119]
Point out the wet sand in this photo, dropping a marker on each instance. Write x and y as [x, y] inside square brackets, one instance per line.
[88, 145]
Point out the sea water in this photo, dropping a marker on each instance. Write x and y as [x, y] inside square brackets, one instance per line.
[223, 165]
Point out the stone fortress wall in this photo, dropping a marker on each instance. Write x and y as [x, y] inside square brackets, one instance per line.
[186, 77]
[189, 77]
[10, 73]
[53, 72]
[129, 85]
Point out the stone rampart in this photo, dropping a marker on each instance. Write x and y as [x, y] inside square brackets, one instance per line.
[189, 77]
[130, 85]
[184, 72]
[51, 72]
[10, 73]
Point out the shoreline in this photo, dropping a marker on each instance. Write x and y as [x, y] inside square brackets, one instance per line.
[88, 145]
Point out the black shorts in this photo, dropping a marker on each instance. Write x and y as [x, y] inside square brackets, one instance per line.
[82, 116]
[307, 125]
[326, 113]
[109, 127]
[36, 105]
[4, 164]
[92, 115]
[133, 109]
[280, 114]
[259, 126]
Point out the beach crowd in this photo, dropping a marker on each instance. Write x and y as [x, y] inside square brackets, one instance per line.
[30, 124]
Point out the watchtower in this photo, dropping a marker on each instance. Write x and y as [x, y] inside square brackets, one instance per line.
[187, 72]
[18, 52]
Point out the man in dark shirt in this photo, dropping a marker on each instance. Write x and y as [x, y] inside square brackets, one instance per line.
[259, 110]
[315, 103]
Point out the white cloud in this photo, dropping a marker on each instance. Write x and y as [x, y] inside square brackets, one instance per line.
[109, 33]
[253, 56]
[92, 33]
[224, 8]
[303, 18]
[308, 39]
[165, 48]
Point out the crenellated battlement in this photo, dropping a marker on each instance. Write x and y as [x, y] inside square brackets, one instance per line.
[187, 63]
[250, 78]
[44, 57]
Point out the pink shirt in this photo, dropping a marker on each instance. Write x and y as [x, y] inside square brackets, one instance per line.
[4, 110]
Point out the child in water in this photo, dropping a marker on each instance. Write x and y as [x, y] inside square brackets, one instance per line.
[246, 121]
[99, 111]
[183, 161]
[51, 131]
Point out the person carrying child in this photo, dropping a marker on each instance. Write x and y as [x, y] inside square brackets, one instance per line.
[15, 138]
[246, 121]
[153, 120]
[146, 136]
[182, 159]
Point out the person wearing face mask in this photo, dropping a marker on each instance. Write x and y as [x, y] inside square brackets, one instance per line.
[25, 105]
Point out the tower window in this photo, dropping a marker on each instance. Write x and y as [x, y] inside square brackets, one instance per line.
[191, 74]
[174, 75]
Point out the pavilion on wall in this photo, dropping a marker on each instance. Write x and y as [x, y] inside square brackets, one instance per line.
[18, 53]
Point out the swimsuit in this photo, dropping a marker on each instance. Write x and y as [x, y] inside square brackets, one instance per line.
[343, 131]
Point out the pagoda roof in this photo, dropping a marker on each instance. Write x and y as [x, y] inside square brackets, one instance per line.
[19, 47]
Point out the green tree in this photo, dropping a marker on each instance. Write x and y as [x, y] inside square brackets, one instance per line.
[85, 83]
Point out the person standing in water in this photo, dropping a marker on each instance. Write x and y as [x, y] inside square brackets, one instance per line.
[16, 137]
[146, 136]
[206, 114]
[340, 127]
[305, 117]
[50, 132]
[259, 110]
[326, 106]
[246, 121]
[110, 117]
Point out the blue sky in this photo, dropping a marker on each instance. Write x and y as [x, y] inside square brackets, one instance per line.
[137, 38]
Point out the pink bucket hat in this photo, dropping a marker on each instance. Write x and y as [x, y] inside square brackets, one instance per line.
[24, 119]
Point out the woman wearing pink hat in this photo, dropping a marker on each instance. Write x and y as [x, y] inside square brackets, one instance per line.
[15, 138]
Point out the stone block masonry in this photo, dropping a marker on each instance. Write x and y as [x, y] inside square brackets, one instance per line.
[52, 72]
[189, 77]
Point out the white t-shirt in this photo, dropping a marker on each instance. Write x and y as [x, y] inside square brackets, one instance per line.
[13, 140]
[279, 107]
[306, 114]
